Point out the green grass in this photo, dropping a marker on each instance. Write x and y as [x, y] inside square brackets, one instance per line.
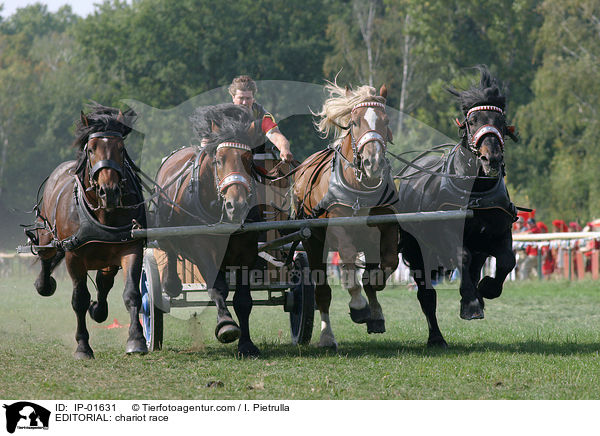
[538, 341]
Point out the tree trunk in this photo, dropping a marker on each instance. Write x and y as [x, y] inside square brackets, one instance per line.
[3, 159]
[366, 30]
[405, 74]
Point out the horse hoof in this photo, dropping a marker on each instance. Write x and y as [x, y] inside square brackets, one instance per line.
[227, 331]
[437, 342]
[331, 346]
[83, 354]
[136, 347]
[173, 288]
[375, 326]
[360, 316]
[488, 288]
[471, 310]
[98, 312]
[248, 350]
[48, 290]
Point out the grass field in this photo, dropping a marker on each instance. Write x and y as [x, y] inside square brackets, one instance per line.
[540, 340]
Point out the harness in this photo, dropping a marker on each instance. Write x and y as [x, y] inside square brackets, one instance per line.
[92, 230]
[451, 194]
[472, 140]
[342, 194]
[190, 196]
[339, 192]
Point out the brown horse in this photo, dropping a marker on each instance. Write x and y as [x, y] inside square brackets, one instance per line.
[88, 209]
[208, 185]
[349, 178]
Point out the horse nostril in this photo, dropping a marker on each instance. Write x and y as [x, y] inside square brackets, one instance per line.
[484, 158]
[102, 192]
[367, 163]
[229, 205]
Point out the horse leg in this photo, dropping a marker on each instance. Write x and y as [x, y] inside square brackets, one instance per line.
[491, 287]
[477, 262]
[105, 278]
[171, 282]
[132, 297]
[470, 306]
[242, 304]
[314, 251]
[227, 329]
[376, 321]
[375, 275]
[360, 311]
[45, 284]
[426, 295]
[80, 301]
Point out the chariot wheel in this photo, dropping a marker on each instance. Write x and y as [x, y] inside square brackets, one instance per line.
[302, 301]
[151, 315]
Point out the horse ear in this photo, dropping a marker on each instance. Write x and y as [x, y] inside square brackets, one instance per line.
[383, 91]
[214, 126]
[512, 134]
[348, 90]
[121, 117]
[84, 119]
[390, 135]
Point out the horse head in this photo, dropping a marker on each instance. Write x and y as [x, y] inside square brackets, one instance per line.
[369, 130]
[233, 168]
[104, 153]
[230, 138]
[485, 125]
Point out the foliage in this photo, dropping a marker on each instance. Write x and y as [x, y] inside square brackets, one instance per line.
[558, 165]
[165, 53]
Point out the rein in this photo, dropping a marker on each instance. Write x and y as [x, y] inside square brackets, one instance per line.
[421, 169]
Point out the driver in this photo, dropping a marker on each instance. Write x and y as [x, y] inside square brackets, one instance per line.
[242, 91]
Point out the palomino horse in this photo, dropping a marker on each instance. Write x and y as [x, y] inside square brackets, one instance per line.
[351, 178]
[205, 186]
[470, 175]
[88, 209]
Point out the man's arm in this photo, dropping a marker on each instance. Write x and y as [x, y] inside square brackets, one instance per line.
[282, 144]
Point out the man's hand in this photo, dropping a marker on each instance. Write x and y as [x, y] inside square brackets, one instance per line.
[286, 155]
[282, 144]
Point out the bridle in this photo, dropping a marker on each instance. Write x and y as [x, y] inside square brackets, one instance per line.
[473, 140]
[234, 177]
[93, 171]
[359, 144]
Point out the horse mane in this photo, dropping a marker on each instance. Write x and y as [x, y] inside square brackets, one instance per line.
[337, 108]
[233, 122]
[489, 91]
[101, 119]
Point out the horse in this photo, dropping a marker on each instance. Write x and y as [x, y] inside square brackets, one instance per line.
[206, 185]
[351, 177]
[86, 213]
[469, 175]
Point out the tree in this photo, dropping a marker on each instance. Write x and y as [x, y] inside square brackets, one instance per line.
[561, 159]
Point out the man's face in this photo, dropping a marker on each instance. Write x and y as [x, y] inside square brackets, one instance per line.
[244, 98]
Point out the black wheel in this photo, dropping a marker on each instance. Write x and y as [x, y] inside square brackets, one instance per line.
[302, 310]
[152, 316]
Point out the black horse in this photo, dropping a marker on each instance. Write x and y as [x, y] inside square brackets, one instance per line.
[469, 175]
